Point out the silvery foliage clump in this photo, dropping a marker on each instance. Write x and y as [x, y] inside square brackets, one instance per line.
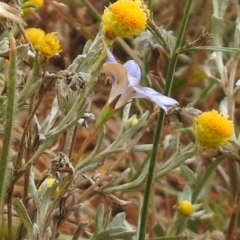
[48, 204]
[45, 206]
[146, 42]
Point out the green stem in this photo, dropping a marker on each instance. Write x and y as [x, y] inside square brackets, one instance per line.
[149, 4]
[10, 109]
[167, 89]
[104, 116]
[233, 173]
[202, 181]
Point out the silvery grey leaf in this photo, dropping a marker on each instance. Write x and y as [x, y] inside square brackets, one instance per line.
[22, 213]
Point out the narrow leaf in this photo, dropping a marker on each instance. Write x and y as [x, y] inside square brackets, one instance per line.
[98, 220]
[23, 215]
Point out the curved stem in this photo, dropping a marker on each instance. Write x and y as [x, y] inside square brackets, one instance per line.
[167, 89]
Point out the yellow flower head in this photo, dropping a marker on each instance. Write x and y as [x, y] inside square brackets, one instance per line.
[37, 2]
[34, 34]
[132, 122]
[185, 207]
[49, 45]
[125, 18]
[47, 184]
[50, 182]
[212, 130]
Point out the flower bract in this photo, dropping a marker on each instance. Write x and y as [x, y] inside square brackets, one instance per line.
[125, 84]
[212, 130]
[49, 45]
[125, 18]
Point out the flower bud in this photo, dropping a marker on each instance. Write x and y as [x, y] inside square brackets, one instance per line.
[185, 207]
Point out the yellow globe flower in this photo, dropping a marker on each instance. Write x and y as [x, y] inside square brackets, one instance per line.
[132, 122]
[212, 130]
[47, 184]
[125, 18]
[185, 207]
[34, 34]
[49, 45]
[28, 11]
[37, 2]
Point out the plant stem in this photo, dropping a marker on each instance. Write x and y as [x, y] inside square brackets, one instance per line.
[167, 89]
[10, 110]
[234, 216]
[149, 4]
[203, 180]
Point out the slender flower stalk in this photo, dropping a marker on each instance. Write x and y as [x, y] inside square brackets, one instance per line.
[161, 116]
[10, 109]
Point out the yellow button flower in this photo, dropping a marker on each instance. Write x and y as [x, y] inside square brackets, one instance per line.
[34, 34]
[212, 130]
[132, 121]
[50, 182]
[37, 2]
[47, 184]
[185, 207]
[27, 8]
[125, 18]
[49, 45]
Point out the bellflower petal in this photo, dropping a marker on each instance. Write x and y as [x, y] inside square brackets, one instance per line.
[132, 81]
[110, 57]
[118, 75]
[161, 100]
[133, 70]
[126, 97]
[125, 84]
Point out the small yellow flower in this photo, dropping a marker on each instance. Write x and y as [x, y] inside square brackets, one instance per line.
[132, 121]
[34, 34]
[212, 130]
[49, 45]
[125, 18]
[47, 184]
[37, 2]
[28, 10]
[185, 207]
[6, 61]
[50, 182]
